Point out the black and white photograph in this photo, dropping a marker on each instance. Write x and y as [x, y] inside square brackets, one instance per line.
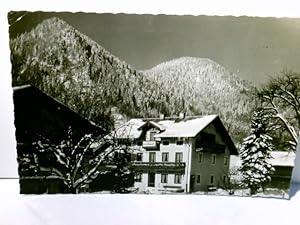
[155, 104]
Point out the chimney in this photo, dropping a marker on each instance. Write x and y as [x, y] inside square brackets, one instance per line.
[162, 116]
[182, 115]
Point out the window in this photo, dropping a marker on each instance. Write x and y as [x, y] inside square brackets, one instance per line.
[198, 144]
[208, 138]
[152, 133]
[138, 177]
[164, 178]
[151, 179]
[200, 157]
[224, 179]
[198, 179]
[139, 157]
[179, 142]
[165, 157]
[139, 143]
[225, 160]
[212, 179]
[178, 157]
[165, 142]
[177, 179]
[213, 159]
[152, 157]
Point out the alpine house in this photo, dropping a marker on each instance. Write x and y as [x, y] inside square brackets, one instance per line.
[182, 154]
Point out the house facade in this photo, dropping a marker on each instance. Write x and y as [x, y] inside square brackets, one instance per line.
[183, 154]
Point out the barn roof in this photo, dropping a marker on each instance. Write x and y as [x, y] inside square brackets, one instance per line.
[279, 158]
[33, 105]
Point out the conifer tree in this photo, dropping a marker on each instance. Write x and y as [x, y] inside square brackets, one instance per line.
[256, 155]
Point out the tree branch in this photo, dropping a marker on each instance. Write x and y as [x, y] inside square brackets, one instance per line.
[290, 129]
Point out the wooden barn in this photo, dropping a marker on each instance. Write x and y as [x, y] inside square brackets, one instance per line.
[39, 116]
[283, 162]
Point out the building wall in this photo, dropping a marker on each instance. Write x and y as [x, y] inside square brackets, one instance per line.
[172, 149]
[205, 168]
[193, 167]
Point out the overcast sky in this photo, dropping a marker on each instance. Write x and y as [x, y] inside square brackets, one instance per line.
[254, 48]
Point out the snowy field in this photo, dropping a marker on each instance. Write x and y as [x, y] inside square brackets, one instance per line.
[146, 209]
[268, 193]
[117, 209]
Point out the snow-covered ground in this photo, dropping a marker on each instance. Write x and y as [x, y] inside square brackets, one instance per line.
[147, 209]
[268, 193]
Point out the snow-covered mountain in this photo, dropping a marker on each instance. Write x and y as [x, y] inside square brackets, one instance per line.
[80, 73]
[76, 70]
[206, 87]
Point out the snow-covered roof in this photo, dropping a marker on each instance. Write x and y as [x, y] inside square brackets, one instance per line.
[188, 127]
[170, 127]
[281, 158]
[16, 88]
[130, 130]
[154, 124]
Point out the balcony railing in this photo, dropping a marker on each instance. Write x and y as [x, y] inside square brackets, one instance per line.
[213, 148]
[150, 144]
[158, 167]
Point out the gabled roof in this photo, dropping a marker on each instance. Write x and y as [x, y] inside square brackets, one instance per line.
[189, 126]
[36, 112]
[129, 130]
[153, 124]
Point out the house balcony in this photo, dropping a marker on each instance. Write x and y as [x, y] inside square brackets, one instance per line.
[158, 167]
[211, 148]
[151, 145]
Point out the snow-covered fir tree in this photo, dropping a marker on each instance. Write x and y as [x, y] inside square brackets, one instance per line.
[256, 155]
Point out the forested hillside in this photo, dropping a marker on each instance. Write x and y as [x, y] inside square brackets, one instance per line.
[77, 71]
[206, 87]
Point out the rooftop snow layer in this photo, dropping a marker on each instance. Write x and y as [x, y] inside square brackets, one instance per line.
[171, 127]
[184, 128]
[130, 130]
[281, 158]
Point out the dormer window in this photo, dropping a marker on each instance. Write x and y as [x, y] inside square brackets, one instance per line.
[152, 133]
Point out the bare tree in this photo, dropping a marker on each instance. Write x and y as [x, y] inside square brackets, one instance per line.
[280, 102]
[76, 164]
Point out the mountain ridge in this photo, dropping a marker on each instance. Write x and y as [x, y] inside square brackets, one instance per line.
[207, 88]
[82, 74]
[70, 66]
